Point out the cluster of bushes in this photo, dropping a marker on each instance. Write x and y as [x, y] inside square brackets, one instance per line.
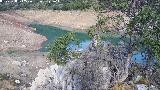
[77, 4]
[62, 5]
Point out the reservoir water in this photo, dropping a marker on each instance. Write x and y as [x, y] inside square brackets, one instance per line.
[52, 33]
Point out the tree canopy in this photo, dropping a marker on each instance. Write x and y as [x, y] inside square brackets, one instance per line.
[59, 50]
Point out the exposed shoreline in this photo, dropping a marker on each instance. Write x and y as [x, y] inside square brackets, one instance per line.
[68, 20]
[16, 34]
[18, 45]
[78, 21]
[60, 26]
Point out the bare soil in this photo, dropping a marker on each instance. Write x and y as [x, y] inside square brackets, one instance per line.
[22, 66]
[15, 34]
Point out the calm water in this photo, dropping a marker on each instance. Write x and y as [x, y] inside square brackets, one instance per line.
[52, 33]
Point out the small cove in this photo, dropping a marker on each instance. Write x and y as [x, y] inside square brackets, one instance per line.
[52, 33]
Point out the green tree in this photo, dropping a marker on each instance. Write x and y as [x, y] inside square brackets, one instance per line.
[59, 51]
[144, 26]
[145, 29]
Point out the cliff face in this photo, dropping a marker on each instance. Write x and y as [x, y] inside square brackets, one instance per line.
[76, 75]
[95, 70]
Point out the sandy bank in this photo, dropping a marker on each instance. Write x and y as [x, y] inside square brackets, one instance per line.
[15, 34]
[73, 20]
[70, 19]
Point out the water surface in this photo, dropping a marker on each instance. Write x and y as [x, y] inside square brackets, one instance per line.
[52, 33]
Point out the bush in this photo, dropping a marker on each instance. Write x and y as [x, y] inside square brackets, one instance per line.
[59, 51]
[64, 5]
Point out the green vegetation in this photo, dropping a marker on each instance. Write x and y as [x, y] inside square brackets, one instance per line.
[145, 29]
[59, 51]
[36, 4]
[144, 26]
[4, 77]
[115, 4]
[77, 4]
[143, 32]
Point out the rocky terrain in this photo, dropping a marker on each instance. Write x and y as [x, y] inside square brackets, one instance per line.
[20, 68]
[15, 34]
[23, 67]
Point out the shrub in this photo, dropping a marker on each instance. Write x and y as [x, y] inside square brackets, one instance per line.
[59, 51]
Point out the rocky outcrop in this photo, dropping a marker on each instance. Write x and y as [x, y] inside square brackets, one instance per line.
[76, 75]
[95, 70]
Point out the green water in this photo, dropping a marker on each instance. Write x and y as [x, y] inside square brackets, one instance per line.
[52, 33]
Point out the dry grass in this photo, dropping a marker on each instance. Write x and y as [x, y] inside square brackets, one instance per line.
[122, 86]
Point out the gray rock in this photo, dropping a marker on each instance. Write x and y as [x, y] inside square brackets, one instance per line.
[145, 87]
[17, 81]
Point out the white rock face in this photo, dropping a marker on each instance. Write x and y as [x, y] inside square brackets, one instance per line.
[16, 63]
[141, 87]
[54, 77]
[23, 46]
[72, 76]
[42, 78]
[93, 71]
[153, 88]
[17, 82]
[145, 87]
[6, 41]
[138, 78]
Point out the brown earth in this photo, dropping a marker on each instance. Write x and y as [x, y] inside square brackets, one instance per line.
[22, 66]
[80, 20]
[15, 34]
